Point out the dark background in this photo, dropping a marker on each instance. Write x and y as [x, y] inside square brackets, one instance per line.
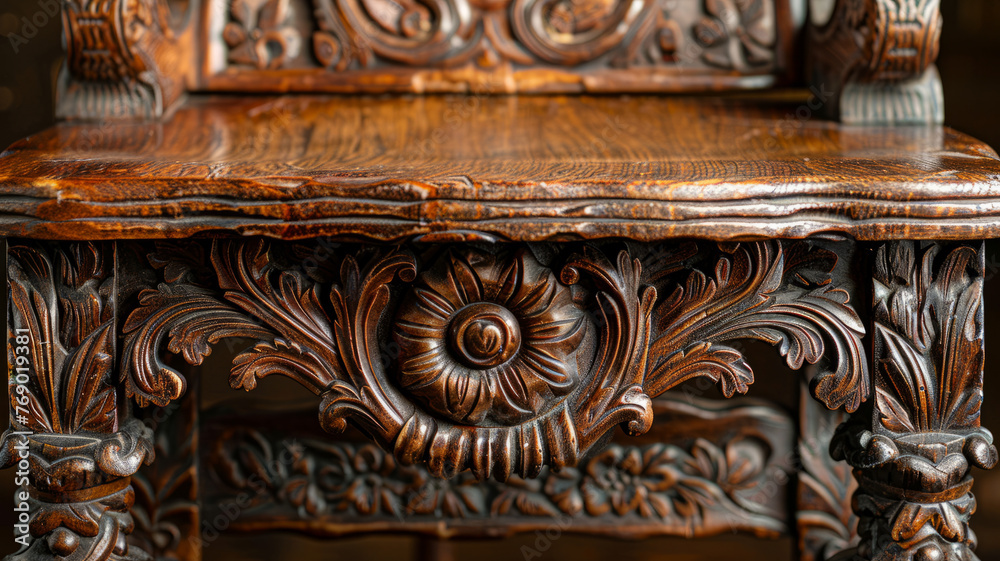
[971, 74]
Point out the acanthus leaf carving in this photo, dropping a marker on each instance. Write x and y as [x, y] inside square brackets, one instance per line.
[929, 327]
[498, 365]
[913, 457]
[71, 329]
[760, 291]
[67, 433]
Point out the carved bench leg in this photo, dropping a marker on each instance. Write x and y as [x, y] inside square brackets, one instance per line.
[912, 455]
[72, 441]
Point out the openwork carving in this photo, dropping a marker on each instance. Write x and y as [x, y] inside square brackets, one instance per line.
[706, 484]
[781, 295]
[500, 366]
[65, 423]
[914, 456]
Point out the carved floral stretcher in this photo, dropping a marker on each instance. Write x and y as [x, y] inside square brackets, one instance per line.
[482, 288]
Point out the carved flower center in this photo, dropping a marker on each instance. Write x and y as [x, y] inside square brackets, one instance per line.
[484, 335]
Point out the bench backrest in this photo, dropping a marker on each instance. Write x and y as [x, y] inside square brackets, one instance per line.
[129, 58]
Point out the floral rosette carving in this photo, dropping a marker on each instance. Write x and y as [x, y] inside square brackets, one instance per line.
[483, 340]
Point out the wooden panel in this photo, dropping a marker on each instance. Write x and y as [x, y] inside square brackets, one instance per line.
[497, 46]
[524, 168]
[462, 359]
[704, 468]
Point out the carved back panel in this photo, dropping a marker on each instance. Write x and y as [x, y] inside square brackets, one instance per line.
[497, 46]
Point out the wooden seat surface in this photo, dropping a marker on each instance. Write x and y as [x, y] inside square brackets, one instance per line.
[441, 168]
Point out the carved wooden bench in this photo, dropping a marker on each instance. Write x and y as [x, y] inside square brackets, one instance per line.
[480, 288]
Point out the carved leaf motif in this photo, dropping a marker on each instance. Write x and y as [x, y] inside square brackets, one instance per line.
[929, 338]
[194, 319]
[614, 394]
[717, 362]
[696, 488]
[337, 349]
[59, 301]
[752, 295]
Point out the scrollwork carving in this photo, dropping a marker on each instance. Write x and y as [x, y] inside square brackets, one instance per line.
[409, 32]
[571, 32]
[124, 59]
[878, 57]
[499, 365]
[783, 295]
[461, 44]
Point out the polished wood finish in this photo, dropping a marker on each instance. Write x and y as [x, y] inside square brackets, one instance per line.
[826, 525]
[912, 456]
[125, 59]
[480, 290]
[493, 168]
[74, 444]
[136, 58]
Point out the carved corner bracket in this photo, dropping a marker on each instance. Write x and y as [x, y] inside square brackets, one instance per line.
[877, 57]
[125, 58]
[487, 359]
[913, 459]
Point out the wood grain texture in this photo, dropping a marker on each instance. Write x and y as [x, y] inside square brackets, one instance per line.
[704, 468]
[505, 46]
[495, 168]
